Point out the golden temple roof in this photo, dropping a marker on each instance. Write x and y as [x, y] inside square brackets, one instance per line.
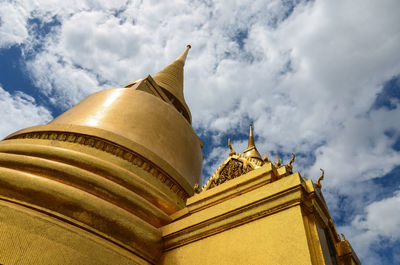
[251, 150]
[171, 79]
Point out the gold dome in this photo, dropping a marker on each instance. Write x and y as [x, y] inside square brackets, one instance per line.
[118, 163]
[143, 117]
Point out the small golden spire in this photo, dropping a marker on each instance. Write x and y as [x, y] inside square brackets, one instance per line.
[171, 79]
[251, 150]
[251, 138]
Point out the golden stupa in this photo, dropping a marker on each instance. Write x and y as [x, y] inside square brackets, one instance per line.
[114, 180]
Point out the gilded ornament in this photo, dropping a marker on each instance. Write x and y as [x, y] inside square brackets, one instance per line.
[318, 183]
[265, 159]
[290, 166]
[278, 162]
[197, 188]
[232, 152]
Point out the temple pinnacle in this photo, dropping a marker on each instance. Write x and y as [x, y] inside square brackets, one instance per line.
[171, 80]
[251, 150]
[251, 138]
[183, 56]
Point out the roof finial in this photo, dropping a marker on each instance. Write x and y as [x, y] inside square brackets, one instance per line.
[289, 165]
[197, 188]
[171, 79]
[318, 183]
[183, 56]
[277, 164]
[251, 138]
[251, 150]
[232, 152]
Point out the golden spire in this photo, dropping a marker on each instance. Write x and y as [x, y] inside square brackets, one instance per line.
[251, 150]
[171, 79]
[251, 138]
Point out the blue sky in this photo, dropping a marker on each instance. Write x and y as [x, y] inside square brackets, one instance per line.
[317, 78]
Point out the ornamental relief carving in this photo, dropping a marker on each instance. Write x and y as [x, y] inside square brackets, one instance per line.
[233, 169]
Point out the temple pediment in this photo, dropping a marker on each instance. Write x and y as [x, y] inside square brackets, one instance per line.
[234, 166]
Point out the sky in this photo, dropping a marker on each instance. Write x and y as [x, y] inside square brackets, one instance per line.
[320, 79]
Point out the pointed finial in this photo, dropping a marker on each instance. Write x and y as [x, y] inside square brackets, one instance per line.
[278, 162]
[251, 150]
[251, 138]
[197, 188]
[290, 166]
[182, 57]
[265, 158]
[232, 152]
[318, 183]
[171, 79]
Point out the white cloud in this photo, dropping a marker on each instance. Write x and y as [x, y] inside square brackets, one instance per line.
[377, 227]
[64, 84]
[19, 111]
[359, 149]
[12, 25]
[382, 218]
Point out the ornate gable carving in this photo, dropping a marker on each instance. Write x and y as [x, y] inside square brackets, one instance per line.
[234, 166]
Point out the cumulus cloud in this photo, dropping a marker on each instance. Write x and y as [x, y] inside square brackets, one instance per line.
[382, 218]
[306, 73]
[12, 25]
[19, 111]
[361, 148]
[377, 228]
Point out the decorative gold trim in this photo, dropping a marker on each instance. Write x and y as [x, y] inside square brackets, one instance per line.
[111, 148]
